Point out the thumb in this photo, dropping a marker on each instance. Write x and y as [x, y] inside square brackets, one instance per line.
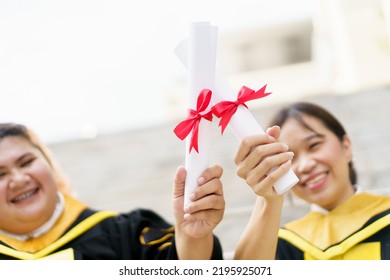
[179, 182]
[274, 131]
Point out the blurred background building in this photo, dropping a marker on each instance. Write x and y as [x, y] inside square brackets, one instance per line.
[338, 57]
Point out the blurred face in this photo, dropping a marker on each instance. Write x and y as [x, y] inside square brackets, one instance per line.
[320, 162]
[28, 192]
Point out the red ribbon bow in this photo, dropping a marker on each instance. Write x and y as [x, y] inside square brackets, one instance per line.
[191, 123]
[226, 109]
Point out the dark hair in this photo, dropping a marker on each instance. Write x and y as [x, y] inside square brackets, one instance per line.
[296, 110]
[19, 130]
[14, 129]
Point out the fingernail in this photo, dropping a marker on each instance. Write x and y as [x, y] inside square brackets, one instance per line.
[290, 155]
[285, 147]
[201, 180]
[192, 197]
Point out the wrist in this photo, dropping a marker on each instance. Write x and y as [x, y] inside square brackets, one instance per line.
[189, 247]
[269, 206]
[184, 237]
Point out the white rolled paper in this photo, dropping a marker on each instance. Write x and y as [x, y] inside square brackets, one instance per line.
[200, 57]
[242, 123]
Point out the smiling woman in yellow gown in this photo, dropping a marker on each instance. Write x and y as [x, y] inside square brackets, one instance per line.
[344, 222]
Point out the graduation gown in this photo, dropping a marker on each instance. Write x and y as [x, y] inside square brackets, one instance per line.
[356, 229]
[83, 233]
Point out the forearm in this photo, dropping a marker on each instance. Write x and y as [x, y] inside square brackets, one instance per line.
[189, 248]
[259, 239]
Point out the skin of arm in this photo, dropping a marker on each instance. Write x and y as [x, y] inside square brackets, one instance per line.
[194, 225]
[261, 161]
[259, 239]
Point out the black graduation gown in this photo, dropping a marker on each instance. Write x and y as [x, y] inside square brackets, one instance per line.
[140, 234]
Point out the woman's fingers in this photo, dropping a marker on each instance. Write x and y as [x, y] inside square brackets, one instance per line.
[213, 201]
[210, 173]
[263, 155]
[262, 186]
[247, 144]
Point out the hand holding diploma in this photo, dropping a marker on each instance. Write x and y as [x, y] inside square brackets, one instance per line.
[235, 112]
[195, 223]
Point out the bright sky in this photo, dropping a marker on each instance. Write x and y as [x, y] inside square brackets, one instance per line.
[68, 67]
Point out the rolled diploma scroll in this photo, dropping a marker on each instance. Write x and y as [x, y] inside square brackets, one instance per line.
[243, 124]
[201, 59]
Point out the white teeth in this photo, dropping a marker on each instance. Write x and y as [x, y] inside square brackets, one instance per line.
[24, 196]
[315, 179]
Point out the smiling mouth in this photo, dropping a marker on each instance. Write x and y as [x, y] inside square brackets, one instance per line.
[24, 196]
[316, 179]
